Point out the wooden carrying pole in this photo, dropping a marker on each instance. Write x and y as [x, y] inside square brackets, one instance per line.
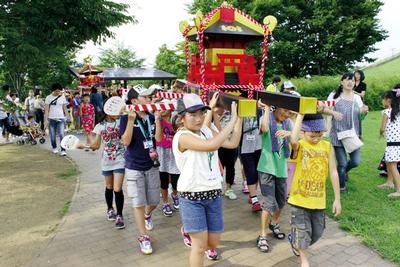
[246, 107]
[304, 105]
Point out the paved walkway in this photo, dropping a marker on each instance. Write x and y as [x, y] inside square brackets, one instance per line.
[86, 238]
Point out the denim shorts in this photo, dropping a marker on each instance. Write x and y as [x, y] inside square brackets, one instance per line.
[202, 215]
[110, 173]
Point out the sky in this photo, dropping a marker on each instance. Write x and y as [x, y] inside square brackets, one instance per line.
[158, 23]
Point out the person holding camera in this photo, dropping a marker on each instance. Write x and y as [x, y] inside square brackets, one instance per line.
[139, 133]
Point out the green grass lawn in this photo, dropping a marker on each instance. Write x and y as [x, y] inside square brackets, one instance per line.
[367, 212]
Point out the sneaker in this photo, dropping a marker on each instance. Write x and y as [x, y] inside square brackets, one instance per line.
[55, 150]
[230, 194]
[212, 254]
[245, 189]
[166, 209]
[186, 238]
[343, 190]
[145, 244]
[256, 206]
[111, 215]
[148, 222]
[119, 222]
[63, 153]
[175, 200]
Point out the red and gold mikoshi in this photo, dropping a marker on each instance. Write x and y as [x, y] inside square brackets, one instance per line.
[151, 107]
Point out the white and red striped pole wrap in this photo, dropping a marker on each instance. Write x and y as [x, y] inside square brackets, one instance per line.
[151, 107]
[326, 103]
[264, 55]
[168, 95]
[187, 56]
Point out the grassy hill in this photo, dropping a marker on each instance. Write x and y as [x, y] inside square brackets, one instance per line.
[387, 68]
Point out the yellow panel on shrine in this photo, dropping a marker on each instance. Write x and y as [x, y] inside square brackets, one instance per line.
[308, 188]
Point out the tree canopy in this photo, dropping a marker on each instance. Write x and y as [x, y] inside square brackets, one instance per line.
[172, 60]
[121, 57]
[313, 36]
[37, 35]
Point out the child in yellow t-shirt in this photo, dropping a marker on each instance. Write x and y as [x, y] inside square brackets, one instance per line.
[315, 159]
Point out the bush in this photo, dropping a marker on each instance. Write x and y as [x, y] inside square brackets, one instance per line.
[318, 86]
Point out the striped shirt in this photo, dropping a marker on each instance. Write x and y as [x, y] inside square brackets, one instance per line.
[350, 109]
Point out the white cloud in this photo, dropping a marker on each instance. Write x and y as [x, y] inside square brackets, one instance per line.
[158, 23]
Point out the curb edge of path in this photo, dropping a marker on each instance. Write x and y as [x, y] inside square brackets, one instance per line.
[64, 218]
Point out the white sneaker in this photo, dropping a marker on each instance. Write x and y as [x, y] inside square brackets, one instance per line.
[148, 222]
[55, 150]
[63, 153]
[145, 245]
[230, 194]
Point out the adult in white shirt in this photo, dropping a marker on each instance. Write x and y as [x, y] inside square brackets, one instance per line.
[55, 112]
[30, 103]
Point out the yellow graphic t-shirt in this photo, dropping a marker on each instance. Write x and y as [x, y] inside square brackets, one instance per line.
[308, 188]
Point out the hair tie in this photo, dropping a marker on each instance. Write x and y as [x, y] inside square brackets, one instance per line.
[397, 91]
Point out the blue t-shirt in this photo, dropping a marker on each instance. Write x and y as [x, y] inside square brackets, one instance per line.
[136, 156]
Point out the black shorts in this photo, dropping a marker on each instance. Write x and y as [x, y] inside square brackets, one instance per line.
[250, 162]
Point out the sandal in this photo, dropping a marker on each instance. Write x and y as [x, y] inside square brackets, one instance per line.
[262, 244]
[394, 194]
[276, 231]
[294, 250]
[386, 186]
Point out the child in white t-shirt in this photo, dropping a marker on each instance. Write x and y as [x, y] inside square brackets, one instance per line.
[200, 183]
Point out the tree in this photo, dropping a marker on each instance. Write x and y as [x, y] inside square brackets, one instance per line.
[121, 57]
[47, 31]
[172, 60]
[314, 36]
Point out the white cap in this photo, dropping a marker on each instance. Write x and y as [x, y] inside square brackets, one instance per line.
[155, 87]
[288, 84]
[143, 91]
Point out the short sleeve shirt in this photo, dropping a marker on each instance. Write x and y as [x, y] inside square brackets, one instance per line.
[351, 114]
[360, 87]
[274, 163]
[136, 155]
[56, 110]
[113, 151]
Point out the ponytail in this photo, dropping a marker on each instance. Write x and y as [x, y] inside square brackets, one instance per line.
[395, 102]
[338, 91]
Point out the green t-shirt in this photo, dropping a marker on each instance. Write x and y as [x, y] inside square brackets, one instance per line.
[273, 163]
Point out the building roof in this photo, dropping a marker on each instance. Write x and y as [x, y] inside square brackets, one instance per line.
[131, 74]
[231, 23]
[136, 74]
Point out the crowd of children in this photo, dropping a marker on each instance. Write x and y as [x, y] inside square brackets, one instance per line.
[151, 150]
[190, 148]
